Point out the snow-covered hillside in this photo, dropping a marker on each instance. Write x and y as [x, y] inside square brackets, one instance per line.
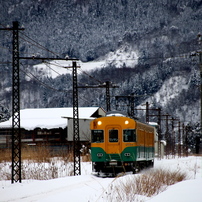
[89, 188]
[138, 45]
[124, 56]
[171, 89]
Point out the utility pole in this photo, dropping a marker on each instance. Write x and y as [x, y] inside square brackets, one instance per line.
[158, 123]
[106, 85]
[76, 138]
[199, 53]
[108, 96]
[77, 162]
[167, 136]
[179, 139]
[16, 136]
[188, 129]
[147, 112]
[124, 98]
[16, 131]
[200, 66]
[159, 133]
[131, 99]
[173, 138]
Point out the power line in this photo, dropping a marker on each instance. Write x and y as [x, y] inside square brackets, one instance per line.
[6, 48]
[38, 44]
[50, 87]
[32, 42]
[90, 76]
[58, 65]
[42, 83]
[5, 63]
[84, 72]
[48, 65]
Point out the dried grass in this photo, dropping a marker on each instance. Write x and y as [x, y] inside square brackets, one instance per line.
[40, 163]
[147, 184]
[5, 155]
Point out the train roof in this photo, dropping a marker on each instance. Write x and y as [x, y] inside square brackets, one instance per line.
[116, 113]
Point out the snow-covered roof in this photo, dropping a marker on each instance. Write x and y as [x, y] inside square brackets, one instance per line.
[50, 117]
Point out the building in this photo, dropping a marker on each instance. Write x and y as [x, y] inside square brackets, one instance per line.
[159, 145]
[48, 125]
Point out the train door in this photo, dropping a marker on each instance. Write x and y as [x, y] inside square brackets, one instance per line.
[113, 139]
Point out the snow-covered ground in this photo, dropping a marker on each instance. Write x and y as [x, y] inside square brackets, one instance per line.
[89, 188]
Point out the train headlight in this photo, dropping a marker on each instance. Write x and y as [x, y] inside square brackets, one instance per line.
[126, 122]
[99, 155]
[99, 123]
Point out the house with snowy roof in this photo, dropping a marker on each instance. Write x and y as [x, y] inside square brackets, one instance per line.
[49, 125]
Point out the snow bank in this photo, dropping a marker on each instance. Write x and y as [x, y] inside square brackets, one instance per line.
[185, 191]
[88, 188]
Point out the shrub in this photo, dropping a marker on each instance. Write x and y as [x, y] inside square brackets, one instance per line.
[146, 184]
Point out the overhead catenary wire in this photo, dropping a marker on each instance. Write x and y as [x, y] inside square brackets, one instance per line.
[50, 87]
[90, 76]
[34, 43]
[48, 65]
[41, 82]
[185, 55]
[38, 44]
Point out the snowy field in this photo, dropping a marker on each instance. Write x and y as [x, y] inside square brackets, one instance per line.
[89, 188]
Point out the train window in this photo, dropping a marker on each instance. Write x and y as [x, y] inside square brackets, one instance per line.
[113, 135]
[97, 136]
[129, 135]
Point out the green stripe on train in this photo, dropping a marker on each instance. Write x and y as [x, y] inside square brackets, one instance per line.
[128, 154]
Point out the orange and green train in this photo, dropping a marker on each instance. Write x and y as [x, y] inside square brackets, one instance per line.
[121, 144]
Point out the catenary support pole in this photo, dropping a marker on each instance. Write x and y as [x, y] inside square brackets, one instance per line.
[77, 167]
[16, 133]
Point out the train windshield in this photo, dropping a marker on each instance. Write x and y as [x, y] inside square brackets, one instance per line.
[97, 136]
[113, 135]
[129, 135]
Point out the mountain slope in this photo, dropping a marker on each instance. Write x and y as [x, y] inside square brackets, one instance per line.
[146, 40]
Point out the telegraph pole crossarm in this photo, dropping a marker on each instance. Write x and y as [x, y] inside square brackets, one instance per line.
[131, 99]
[49, 58]
[106, 85]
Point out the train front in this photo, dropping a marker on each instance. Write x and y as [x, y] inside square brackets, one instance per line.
[113, 144]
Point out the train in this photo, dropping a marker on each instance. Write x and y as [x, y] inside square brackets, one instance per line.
[121, 144]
